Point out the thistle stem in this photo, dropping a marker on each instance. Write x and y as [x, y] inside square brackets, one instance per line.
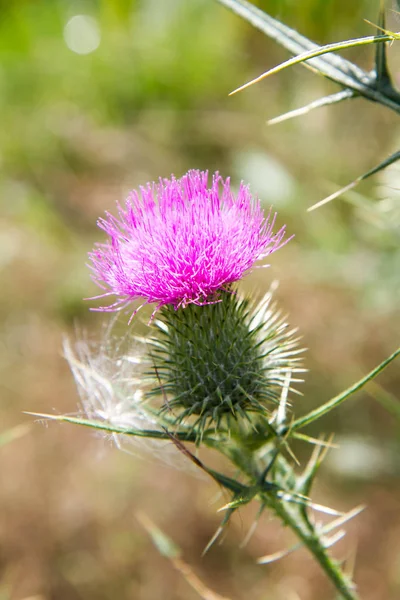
[293, 516]
[310, 538]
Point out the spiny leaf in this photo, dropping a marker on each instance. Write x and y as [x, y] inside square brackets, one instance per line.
[334, 539]
[306, 480]
[220, 529]
[109, 428]
[375, 86]
[305, 56]
[330, 65]
[252, 528]
[270, 558]
[311, 440]
[239, 501]
[228, 483]
[303, 501]
[342, 520]
[337, 400]
[321, 531]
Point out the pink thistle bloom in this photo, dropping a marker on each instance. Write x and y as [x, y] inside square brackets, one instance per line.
[179, 242]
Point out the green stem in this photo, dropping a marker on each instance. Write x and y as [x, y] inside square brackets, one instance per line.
[310, 538]
[183, 436]
[293, 516]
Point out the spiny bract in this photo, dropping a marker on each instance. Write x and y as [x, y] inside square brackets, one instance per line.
[221, 360]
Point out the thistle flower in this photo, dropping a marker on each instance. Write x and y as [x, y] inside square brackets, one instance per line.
[181, 242]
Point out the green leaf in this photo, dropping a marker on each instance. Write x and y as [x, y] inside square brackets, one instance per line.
[306, 480]
[337, 400]
[319, 51]
[109, 428]
[332, 66]
[375, 86]
[328, 64]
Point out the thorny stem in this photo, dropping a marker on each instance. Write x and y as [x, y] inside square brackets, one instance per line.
[289, 515]
[295, 517]
[188, 436]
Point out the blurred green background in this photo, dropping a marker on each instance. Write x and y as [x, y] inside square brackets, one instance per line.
[97, 98]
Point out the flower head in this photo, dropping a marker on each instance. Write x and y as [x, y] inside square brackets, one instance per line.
[223, 362]
[179, 242]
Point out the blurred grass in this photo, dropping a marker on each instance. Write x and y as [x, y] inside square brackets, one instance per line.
[78, 131]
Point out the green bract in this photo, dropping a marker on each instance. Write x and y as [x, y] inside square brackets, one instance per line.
[221, 361]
